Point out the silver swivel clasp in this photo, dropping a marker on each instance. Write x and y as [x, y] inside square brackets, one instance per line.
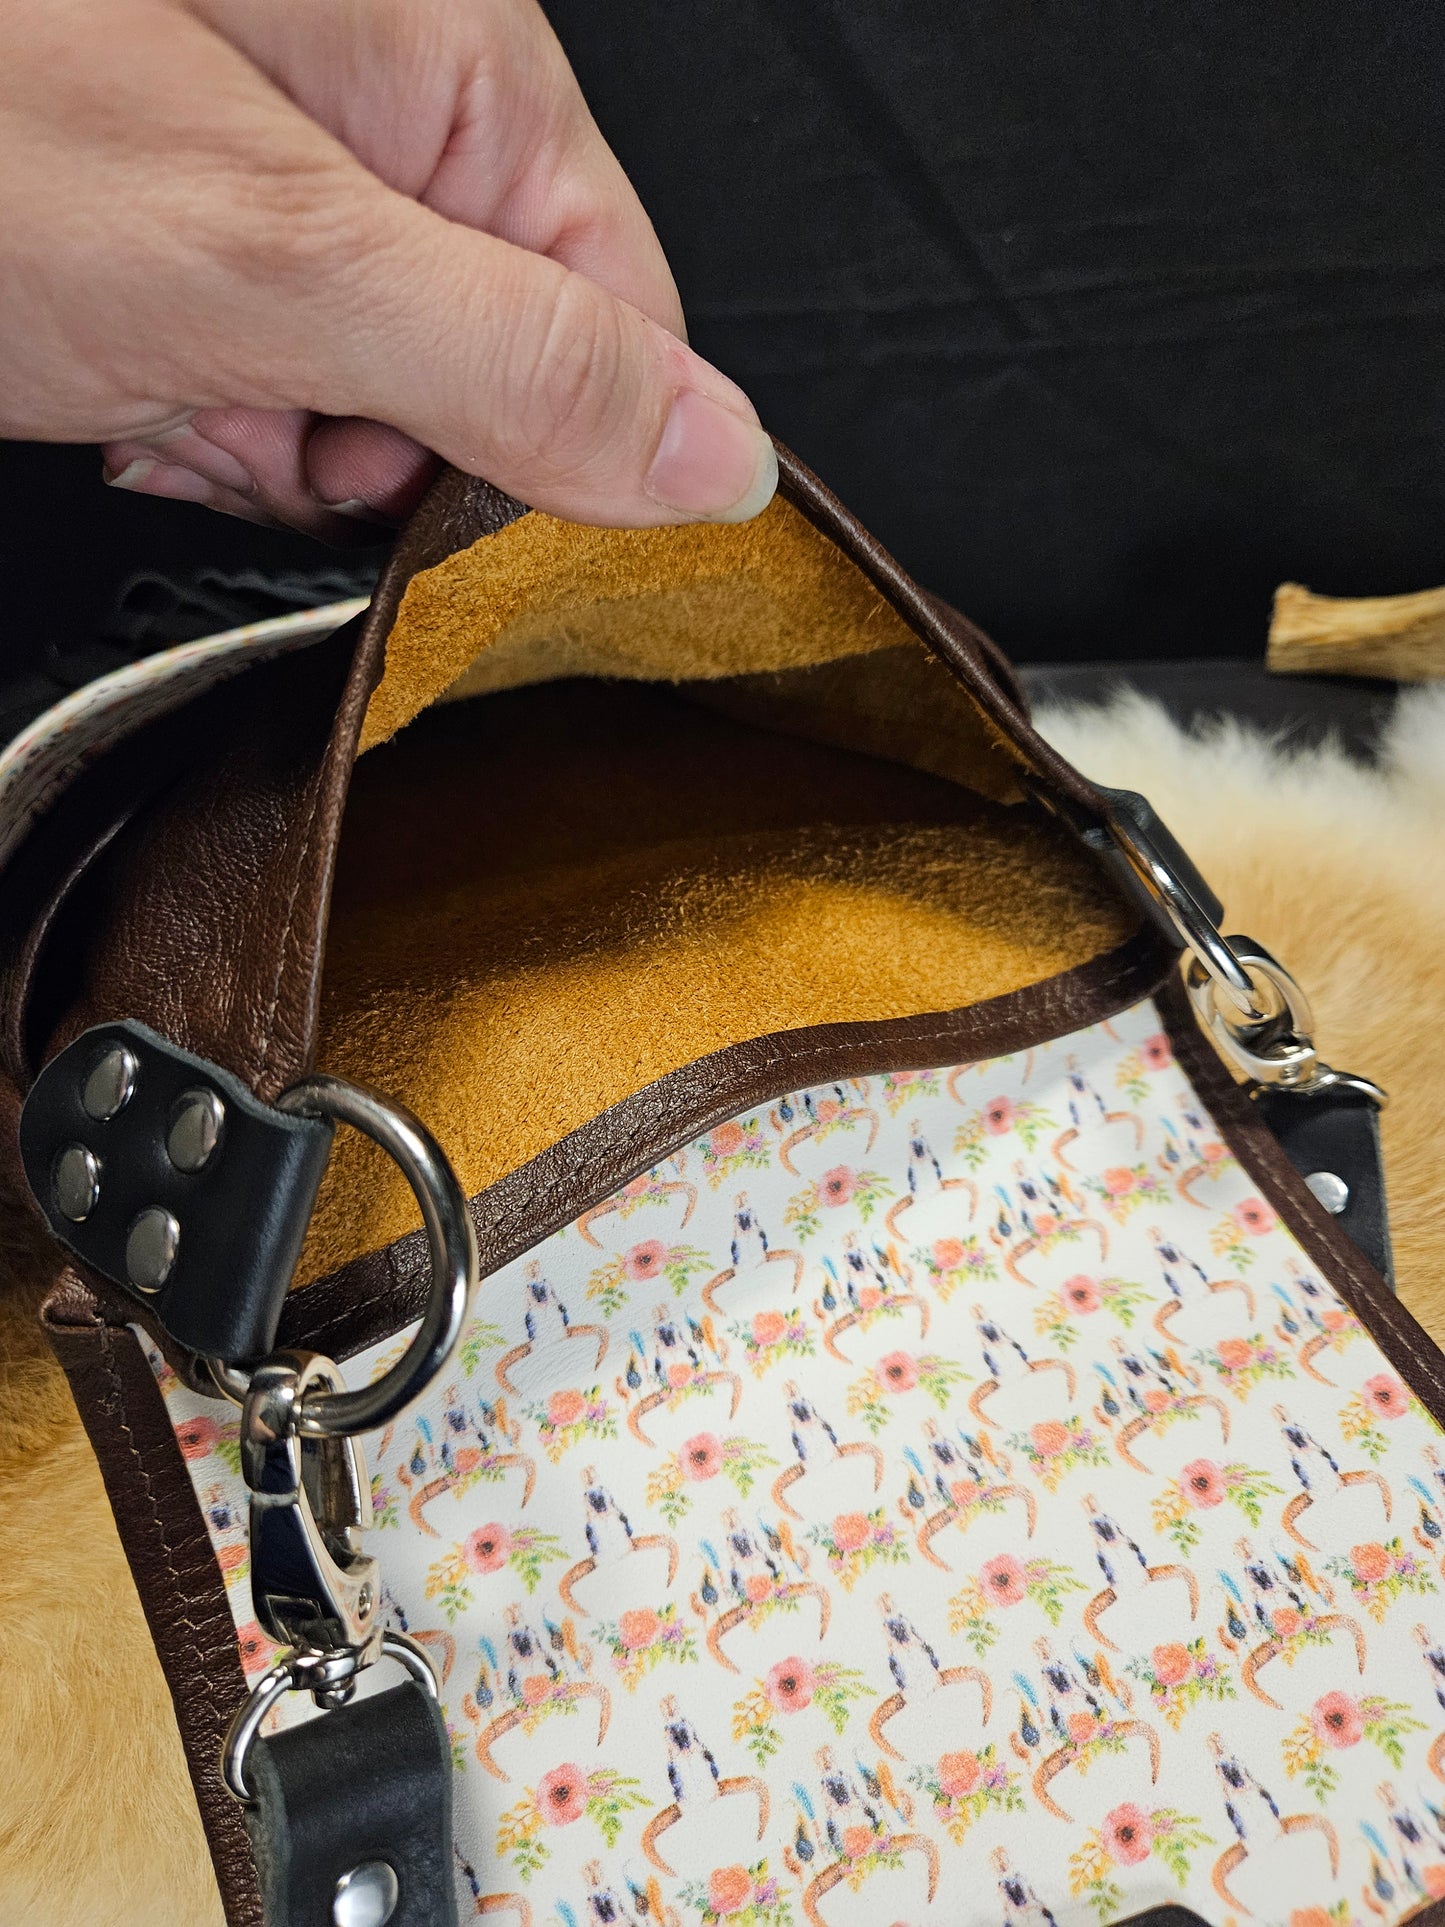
[313, 1585]
[314, 1589]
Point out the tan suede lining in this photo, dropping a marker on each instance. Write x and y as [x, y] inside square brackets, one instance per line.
[551, 897]
[543, 599]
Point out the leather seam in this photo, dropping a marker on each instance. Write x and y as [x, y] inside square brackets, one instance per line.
[177, 1591]
[266, 1037]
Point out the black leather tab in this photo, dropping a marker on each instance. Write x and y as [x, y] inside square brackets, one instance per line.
[1338, 1131]
[241, 1217]
[370, 1782]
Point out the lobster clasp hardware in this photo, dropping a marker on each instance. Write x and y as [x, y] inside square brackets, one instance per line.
[314, 1587]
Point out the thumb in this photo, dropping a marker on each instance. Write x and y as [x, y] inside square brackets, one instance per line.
[521, 370]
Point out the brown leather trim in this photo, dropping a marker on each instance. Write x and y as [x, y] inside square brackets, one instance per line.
[962, 648]
[370, 1299]
[1409, 1348]
[165, 1540]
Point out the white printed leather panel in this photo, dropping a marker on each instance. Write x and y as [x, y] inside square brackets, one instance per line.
[943, 1497]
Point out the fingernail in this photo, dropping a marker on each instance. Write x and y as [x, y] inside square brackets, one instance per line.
[711, 465]
[360, 511]
[167, 480]
[133, 475]
[188, 448]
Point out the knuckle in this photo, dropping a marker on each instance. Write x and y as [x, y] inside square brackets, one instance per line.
[285, 223]
[565, 389]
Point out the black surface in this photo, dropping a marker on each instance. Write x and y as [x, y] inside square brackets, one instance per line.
[1107, 318]
[242, 1217]
[370, 1781]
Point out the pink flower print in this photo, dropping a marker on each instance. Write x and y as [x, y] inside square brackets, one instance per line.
[836, 1186]
[1003, 1580]
[701, 1457]
[1118, 1180]
[1156, 1051]
[998, 1116]
[645, 1261]
[1050, 1437]
[638, 1628]
[1127, 1835]
[565, 1408]
[1370, 1561]
[1202, 1483]
[486, 1549]
[1171, 1663]
[1385, 1395]
[1337, 1720]
[898, 1371]
[562, 1795]
[948, 1253]
[768, 1327]
[729, 1889]
[1254, 1216]
[958, 1775]
[850, 1530]
[197, 1437]
[790, 1685]
[1082, 1294]
[678, 1375]
[255, 1648]
[725, 1139]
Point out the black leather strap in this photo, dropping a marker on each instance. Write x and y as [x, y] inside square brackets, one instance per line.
[1337, 1132]
[239, 1217]
[370, 1782]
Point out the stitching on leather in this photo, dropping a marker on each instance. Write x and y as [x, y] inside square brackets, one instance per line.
[178, 1593]
[267, 1036]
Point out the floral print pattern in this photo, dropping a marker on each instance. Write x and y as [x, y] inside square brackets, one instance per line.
[943, 1497]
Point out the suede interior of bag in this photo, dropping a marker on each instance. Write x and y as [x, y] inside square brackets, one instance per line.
[549, 898]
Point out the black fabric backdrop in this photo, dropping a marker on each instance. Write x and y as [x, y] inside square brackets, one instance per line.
[1106, 317]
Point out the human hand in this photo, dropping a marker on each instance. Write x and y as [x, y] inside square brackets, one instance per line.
[272, 252]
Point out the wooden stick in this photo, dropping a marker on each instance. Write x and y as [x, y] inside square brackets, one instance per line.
[1401, 636]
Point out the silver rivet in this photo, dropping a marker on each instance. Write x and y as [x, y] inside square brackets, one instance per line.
[365, 1897]
[1331, 1190]
[108, 1087]
[195, 1129]
[77, 1183]
[150, 1248]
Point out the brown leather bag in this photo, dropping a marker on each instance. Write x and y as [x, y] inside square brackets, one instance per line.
[684, 867]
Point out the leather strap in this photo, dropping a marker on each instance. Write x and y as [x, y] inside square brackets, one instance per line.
[174, 1149]
[1336, 1135]
[366, 1787]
